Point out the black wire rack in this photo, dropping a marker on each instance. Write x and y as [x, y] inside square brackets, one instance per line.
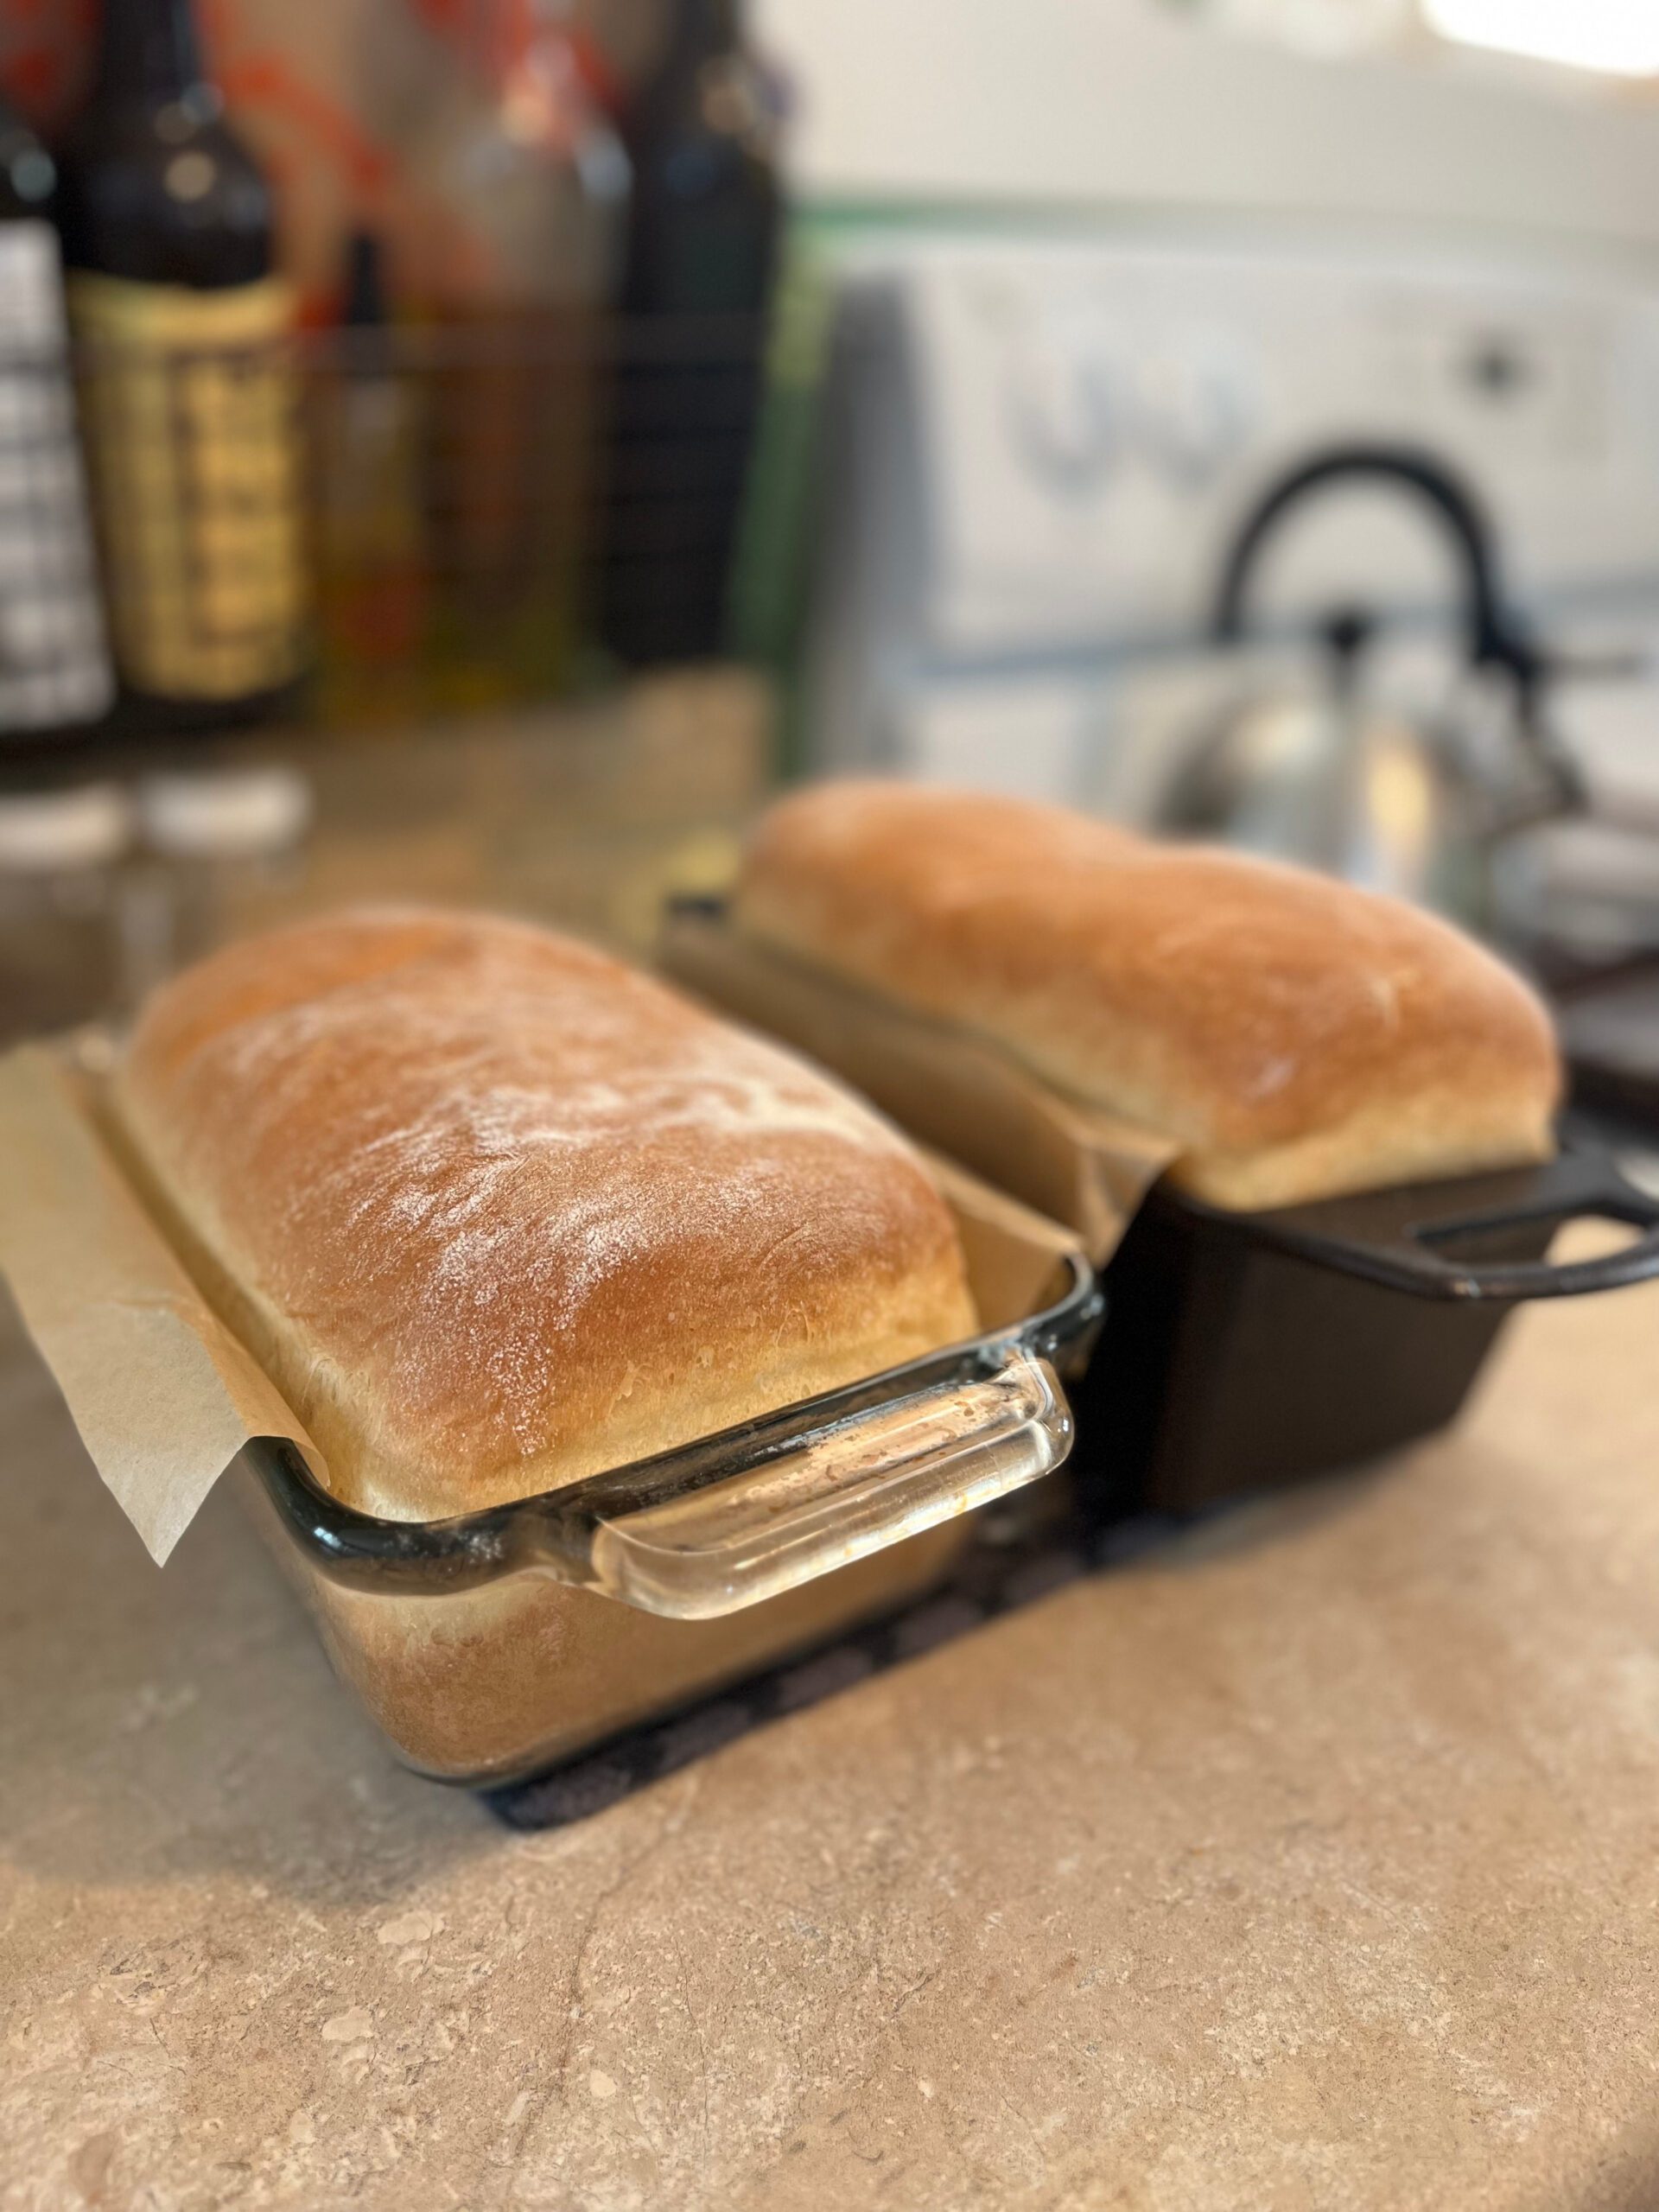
[368, 525]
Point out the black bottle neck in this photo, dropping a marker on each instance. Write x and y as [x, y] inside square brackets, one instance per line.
[703, 31]
[149, 53]
[27, 175]
[363, 300]
[156, 187]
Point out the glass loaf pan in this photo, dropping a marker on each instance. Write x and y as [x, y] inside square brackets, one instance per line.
[493, 1645]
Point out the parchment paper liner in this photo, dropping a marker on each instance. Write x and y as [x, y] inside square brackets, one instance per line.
[163, 1395]
[1071, 1162]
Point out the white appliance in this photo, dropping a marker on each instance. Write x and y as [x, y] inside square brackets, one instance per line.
[1116, 106]
[1039, 450]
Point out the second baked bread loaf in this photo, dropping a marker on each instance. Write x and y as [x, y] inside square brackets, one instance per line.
[1296, 1037]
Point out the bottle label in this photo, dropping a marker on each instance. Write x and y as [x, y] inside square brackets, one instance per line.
[192, 420]
[54, 669]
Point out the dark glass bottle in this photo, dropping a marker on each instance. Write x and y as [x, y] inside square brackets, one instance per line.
[27, 175]
[54, 673]
[167, 231]
[703, 251]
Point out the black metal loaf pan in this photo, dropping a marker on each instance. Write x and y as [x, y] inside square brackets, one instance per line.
[1243, 1352]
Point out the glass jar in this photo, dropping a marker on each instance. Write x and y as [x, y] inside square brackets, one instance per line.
[61, 853]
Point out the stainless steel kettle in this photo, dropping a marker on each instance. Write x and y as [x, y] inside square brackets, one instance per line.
[1327, 776]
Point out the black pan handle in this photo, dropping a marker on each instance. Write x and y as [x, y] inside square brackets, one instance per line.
[1400, 1238]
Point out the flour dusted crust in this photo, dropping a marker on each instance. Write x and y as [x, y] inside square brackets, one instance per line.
[499, 1212]
[1298, 1038]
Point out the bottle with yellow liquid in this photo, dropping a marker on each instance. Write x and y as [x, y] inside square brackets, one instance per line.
[373, 545]
[190, 402]
[533, 185]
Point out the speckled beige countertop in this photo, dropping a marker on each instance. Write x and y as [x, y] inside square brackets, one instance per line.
[1312, 1864]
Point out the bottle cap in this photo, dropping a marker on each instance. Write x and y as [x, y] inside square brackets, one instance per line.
[225, 813]
[45, 833]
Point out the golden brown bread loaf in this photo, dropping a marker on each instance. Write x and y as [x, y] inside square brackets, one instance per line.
[1297, 1038]
[498, 1212]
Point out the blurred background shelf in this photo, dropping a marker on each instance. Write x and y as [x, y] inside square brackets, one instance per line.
[429, 429]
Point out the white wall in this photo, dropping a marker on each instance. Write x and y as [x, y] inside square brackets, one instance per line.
[1115, 102]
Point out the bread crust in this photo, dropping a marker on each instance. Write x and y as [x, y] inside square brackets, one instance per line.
[498, 1212]
[1297, 1036]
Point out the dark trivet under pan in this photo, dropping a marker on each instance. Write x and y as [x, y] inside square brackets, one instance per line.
[993, 1579]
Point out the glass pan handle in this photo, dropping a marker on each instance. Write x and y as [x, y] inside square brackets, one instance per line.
[870, 1481]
